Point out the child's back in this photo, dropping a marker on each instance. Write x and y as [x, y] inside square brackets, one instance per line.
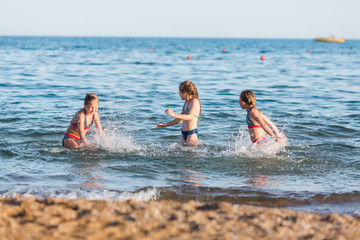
[258, 123]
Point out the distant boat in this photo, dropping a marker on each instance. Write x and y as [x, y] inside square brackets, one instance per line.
[331, 39]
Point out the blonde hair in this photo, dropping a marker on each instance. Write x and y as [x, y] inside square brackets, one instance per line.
[90, 97]
[248, 97]
[190, 88]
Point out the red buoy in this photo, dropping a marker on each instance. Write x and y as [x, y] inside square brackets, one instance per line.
[189, 57]
[150, 48]
[309, 51]
[262, 58]
[224, 50]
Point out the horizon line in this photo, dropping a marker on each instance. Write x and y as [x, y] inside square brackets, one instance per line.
[186, 37]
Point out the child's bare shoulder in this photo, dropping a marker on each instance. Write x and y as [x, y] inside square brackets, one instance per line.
[79, 113]
[255, 112]
[195, 101]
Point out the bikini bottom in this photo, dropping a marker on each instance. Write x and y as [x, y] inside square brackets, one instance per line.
[185, 134]
[77, 140]
[260, 140]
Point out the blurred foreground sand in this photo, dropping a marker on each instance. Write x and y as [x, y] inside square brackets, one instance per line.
[30, 218]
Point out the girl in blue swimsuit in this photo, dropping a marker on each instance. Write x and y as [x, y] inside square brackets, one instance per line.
[75, 134]
[258, 123]
[189, 116]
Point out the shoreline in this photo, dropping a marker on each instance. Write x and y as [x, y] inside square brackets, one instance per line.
[84, 219]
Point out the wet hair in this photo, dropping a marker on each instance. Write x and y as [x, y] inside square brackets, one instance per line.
[248, 97]
[90, 97]
[190, 88]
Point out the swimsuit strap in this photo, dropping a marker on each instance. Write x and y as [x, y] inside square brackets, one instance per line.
[85, 123]
[187, 108]
[249, 122]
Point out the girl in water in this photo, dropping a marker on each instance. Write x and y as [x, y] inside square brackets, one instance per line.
[190, 114]
[78, 127]
[257, 122]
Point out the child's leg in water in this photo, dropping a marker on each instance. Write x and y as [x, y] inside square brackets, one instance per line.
[70, 144]
[182, 141]
[192, 140]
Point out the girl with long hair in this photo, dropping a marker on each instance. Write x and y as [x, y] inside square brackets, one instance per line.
[189, 116]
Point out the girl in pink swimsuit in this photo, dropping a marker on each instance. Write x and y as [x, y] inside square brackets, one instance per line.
[78, 127]
[258, 123]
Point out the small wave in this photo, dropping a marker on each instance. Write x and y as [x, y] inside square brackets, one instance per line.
[346, 203]
[152, 64]
[264, 51]
[54, 150]
[10, 119]
[108, 195]
[7, 153]
[82, 47]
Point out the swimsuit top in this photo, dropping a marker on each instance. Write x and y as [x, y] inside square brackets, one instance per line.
[86, 127]
[186, 111]
[248, 120]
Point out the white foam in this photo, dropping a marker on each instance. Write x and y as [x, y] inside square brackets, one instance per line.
[172, 150]
[144, 195]
[54, 150]
[242, 146]
[115, 141]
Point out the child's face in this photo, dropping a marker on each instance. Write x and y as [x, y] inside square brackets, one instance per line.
[242, 103]
[92, 107]
[182, 95]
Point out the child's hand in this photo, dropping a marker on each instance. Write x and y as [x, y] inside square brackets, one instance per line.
[170, 112]
[160, 124]
[85, 142]
[280, 137]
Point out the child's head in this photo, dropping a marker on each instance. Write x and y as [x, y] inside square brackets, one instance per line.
[189, 88]
[248, 97]
[91, 102]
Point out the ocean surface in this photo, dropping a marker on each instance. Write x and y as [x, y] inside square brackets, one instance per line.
[310, 90]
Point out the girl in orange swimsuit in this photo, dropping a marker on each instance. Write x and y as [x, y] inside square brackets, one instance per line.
[78, 127]
[258, 123]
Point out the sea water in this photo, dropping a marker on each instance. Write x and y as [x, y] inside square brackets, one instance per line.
[312, 96]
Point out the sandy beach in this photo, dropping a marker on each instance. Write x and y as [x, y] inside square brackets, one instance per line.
[30, 218]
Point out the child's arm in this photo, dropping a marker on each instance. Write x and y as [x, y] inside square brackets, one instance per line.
[194, 107]
[271, 125]
[81, 127]
[279, 136]
[171, 123]
[98, 124]
[259, 117]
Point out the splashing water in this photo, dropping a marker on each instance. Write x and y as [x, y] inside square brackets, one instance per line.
[115, 141]
[269, 149]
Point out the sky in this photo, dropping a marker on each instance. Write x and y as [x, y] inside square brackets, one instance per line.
[304, 19]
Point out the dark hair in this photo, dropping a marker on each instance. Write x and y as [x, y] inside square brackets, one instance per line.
[90, 97]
